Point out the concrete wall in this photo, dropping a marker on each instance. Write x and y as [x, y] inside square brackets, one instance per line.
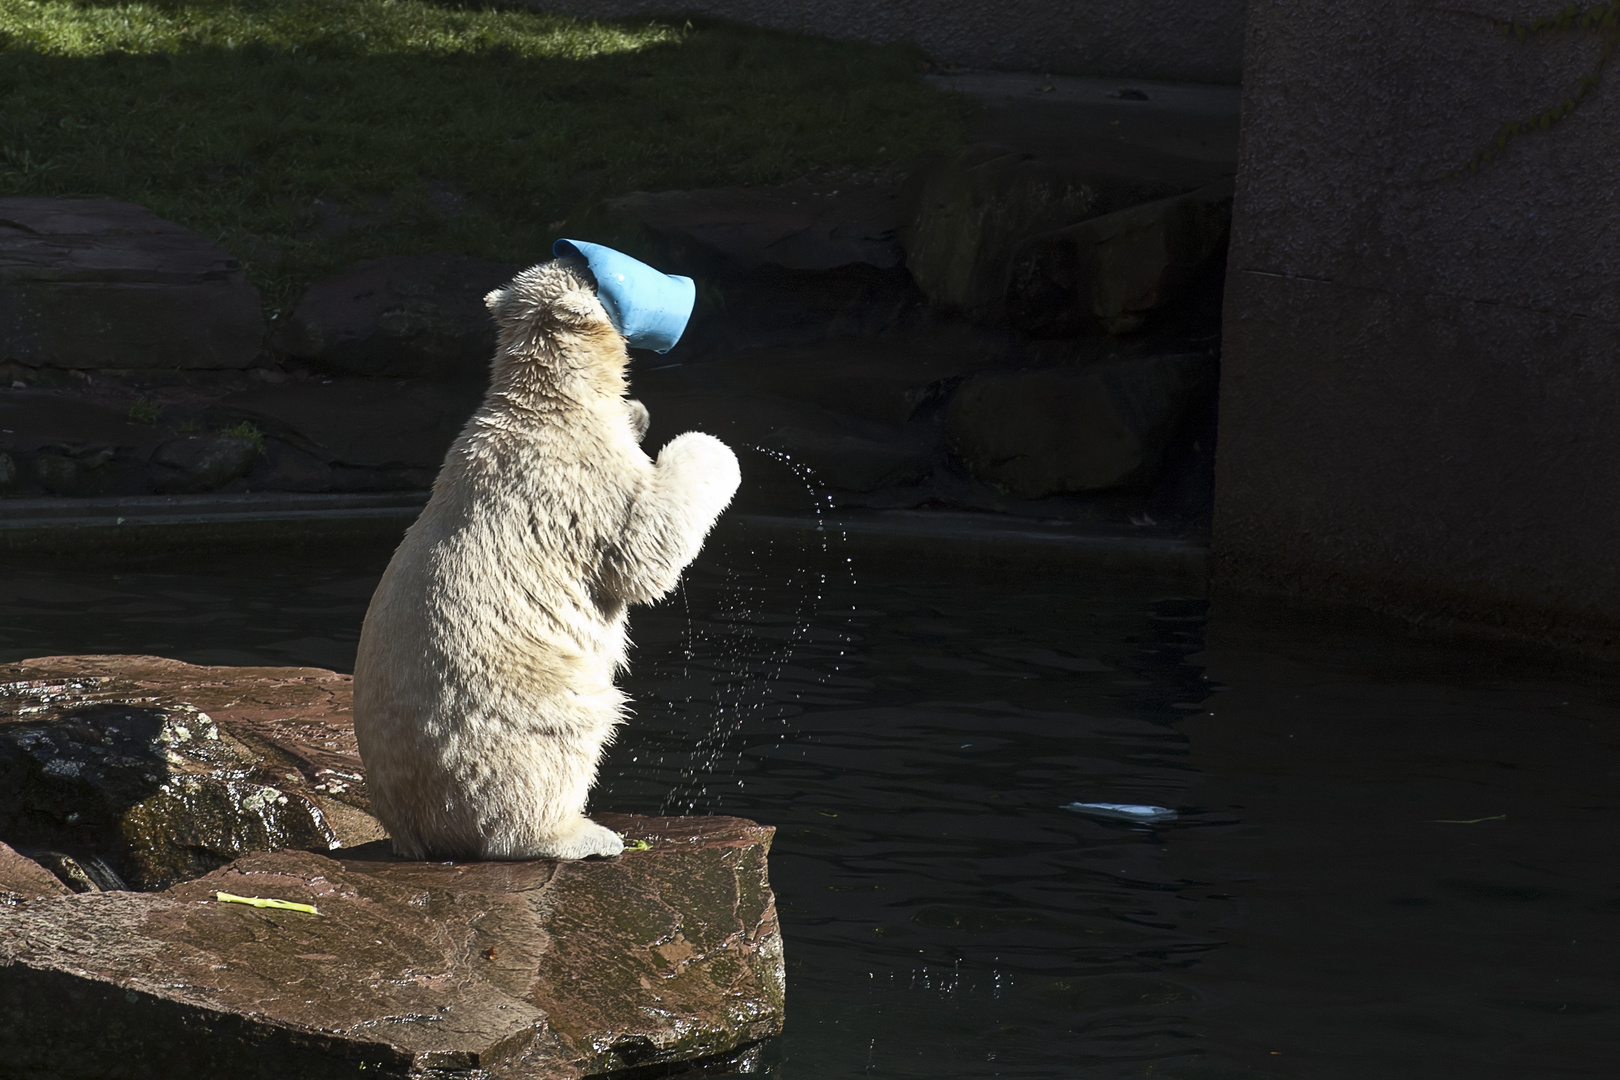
[1180, 40]
[1420, 404]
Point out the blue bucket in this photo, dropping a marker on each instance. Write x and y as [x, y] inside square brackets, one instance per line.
[648, 307]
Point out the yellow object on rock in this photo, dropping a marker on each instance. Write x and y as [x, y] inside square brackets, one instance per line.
[262, 902]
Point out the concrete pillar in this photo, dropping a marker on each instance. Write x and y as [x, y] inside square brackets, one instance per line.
[1420, 401]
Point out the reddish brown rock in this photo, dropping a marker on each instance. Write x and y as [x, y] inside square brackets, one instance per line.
[533, 970]
[22, 879]
[499, 971]
[169, 770]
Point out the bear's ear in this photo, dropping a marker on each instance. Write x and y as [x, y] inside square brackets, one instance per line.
[496, 299]
[578, 307]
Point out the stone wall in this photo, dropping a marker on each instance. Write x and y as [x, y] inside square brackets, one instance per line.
[1178, 40]
[1420, 405]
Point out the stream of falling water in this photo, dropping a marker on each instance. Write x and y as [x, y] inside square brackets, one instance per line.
[749, 608]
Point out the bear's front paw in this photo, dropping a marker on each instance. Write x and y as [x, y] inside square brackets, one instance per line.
[587, 840]
[704, 464]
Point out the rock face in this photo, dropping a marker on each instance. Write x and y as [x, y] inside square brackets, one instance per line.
[165, 770]
[813, 347]
[968, 215]
[1100, 426]
[498, 971]
[1113, 270]
[886, 381]
[408, 315]
[490, 971]
[63, 445]
[192, 463]
[857, 463]
[798, 226]
[407, 424]
[93, 283]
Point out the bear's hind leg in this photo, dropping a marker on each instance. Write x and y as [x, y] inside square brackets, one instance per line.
[534, 805]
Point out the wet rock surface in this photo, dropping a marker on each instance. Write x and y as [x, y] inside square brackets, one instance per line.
[95, 283]
[183, 776]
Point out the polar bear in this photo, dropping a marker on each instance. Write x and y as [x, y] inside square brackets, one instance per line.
[483, 687]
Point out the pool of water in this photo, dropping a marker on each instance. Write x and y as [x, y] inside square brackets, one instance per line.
[1389, 859]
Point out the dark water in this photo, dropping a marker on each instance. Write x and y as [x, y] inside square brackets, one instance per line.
[1390, 859]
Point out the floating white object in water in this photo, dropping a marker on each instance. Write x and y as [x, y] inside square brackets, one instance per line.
[1121, 811]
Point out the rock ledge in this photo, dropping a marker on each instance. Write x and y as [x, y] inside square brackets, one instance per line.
[507, 971]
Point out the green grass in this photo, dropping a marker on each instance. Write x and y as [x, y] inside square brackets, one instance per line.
[143, 410]
[436, 127]
[246, 431]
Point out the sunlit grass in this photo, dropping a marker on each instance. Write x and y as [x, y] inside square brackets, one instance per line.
[437, 127]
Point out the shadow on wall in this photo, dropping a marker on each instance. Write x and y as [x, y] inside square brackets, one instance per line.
[1175, 40]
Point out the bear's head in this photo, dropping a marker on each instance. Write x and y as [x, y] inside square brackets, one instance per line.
[553, 330]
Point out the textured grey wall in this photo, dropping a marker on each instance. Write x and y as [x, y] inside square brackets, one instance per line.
[1181, 40]
[1420, 403]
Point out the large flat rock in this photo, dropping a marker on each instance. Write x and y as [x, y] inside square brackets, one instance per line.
[534, 970]
[96, 283]
[180, 777]
[1062, 116]
[1115, 270]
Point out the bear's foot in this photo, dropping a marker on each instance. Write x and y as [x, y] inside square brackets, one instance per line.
[584, 840]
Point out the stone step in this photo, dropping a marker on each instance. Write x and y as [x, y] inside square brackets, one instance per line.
[96, 283]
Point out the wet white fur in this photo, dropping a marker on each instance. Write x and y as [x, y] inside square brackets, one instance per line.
[483, 688]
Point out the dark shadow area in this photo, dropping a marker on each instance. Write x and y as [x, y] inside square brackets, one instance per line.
[307, 136]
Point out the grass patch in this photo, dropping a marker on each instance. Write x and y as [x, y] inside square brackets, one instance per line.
[247, 432]
[304, 134]
[144, 410]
